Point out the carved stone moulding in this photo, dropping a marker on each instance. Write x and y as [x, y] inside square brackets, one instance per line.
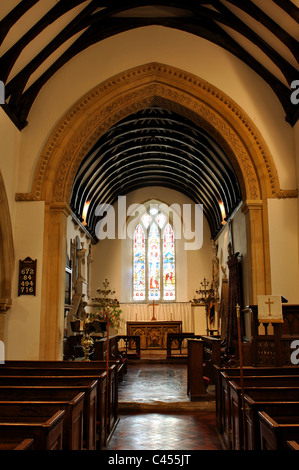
[147, 85]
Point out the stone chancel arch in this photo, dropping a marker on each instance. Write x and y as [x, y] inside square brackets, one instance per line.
[136, 89]
[7, 256]
[153, 85]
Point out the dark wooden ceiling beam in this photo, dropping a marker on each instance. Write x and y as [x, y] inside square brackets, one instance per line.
[8, 60]
[255, 12]
[232, 21]
[289, 8]
[16, 86]
[121, 161]
[13, 16]
[102, 24]
[131, 182]
[203, 179]
[195, 162]
[223, 181]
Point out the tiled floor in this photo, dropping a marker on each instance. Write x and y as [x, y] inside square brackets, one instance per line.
[156, 412]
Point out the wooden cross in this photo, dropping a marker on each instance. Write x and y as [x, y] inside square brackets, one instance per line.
[269, 305]
[153, 304]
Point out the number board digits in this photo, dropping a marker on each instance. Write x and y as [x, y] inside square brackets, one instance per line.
[27, 276]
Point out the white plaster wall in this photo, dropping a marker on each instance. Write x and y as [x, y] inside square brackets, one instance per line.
[22, 328]
[175, 48]
[283, 234]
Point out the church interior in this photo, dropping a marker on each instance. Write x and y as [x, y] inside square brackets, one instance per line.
[149, 229]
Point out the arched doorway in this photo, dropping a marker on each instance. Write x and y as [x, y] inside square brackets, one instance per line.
[148, 85]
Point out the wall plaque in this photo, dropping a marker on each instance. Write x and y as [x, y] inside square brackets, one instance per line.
[27, 276]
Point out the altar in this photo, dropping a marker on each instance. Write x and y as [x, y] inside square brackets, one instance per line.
[153, 334]
[190, 318]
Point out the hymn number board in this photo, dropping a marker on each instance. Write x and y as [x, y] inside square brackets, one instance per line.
[27, 277]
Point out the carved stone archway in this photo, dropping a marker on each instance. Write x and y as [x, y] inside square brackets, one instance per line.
[133, 90]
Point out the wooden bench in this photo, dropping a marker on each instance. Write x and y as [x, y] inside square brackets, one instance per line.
[276, 431]
[73, 418]
[17, 388]
[236, 424]
[222, 377]
[97, 366]
[92, 370]
[252, 407]
[46, 432]
[99, 352]
[16, 444]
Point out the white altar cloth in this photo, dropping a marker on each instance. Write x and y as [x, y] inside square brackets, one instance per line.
[176, 311]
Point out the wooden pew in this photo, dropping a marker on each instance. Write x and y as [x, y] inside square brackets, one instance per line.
[16, 444]
[73, 418]
[100, 354]
[16, 388]
[276, 431]
[252, 407]
[47, 433]
[222, 377]
[96, 366]
[274, 390]
[93, 371]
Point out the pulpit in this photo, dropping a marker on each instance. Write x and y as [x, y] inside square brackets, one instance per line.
[266, 344]
[153, 334]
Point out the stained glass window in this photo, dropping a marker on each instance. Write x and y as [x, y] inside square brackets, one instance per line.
[154, 259]
[154, 263]
[168, 264]
[146, 219]
[161, 219]
[139, 263]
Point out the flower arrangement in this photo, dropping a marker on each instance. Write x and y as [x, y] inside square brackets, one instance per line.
[107, 308]
[112, 314]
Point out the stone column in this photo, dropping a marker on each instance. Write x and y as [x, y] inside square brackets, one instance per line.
[53, 282]
[259, 280]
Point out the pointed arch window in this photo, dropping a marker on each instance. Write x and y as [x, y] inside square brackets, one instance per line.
[139, 263]
[154, 258]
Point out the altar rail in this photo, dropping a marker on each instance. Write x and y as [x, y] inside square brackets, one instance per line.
[266, 344]
[132, 343]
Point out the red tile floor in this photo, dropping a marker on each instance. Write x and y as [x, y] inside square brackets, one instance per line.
[156, 413]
